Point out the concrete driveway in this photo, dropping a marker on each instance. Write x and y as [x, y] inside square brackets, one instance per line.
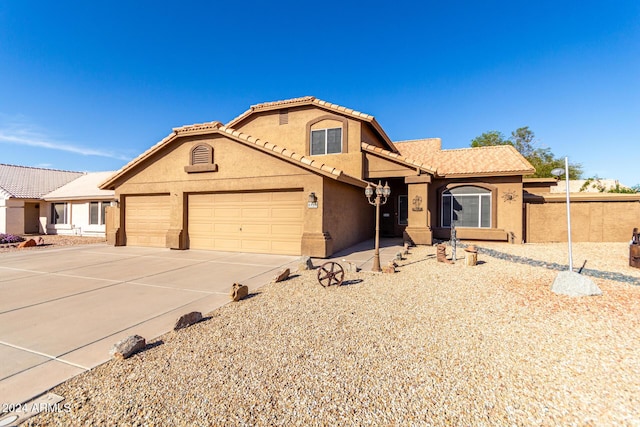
[62, 310]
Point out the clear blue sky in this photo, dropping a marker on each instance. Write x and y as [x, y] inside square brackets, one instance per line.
[89, 85]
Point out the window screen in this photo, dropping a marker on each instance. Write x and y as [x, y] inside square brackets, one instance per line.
[466, 206]
[326, 141]
[94, 212]
[317, 142]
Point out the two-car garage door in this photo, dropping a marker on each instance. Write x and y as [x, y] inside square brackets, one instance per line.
[263, 222]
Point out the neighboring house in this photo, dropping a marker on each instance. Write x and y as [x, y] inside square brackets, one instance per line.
[48, 201]
[593, 185]
[79, 207]
[288, 177]
[21, 191]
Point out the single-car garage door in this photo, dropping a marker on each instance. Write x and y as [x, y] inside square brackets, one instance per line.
[263, 222]
[146, 220]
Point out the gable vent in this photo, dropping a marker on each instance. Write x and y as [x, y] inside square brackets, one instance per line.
[284, 117]
[201, 155]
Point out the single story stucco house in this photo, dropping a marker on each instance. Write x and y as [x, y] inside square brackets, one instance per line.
[288, 177]
[49, 201]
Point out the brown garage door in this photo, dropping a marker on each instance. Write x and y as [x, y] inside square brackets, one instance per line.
[146, 220]
[264, 222]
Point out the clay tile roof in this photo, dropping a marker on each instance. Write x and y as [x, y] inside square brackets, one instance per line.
[398, 157]
[198, 127]
[284, 102]
[481, 161]
[32, 183]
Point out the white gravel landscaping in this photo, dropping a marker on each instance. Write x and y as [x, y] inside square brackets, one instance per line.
[433, 344]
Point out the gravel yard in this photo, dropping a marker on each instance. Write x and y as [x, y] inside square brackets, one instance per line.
[433, 344]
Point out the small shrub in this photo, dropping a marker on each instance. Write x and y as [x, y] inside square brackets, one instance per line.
[10, 238]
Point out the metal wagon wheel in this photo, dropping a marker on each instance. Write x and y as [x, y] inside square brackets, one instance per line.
[330, 273]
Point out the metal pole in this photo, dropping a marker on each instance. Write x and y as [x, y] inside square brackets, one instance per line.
[566, 168]
[376, 256]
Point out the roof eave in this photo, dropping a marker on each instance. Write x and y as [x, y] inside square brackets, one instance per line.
[395, 157]
[80, 198]
[484, 174]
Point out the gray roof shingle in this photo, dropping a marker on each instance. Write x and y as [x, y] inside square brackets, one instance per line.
[25, 182]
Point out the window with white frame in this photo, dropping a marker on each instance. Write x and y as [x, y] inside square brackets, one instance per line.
[59, 213]
[326, 141]
[97, 212]
[466, 206]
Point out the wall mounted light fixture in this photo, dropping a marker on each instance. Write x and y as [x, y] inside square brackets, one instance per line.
[312, 202]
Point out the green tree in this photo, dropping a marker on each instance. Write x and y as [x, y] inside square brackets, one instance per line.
[524, 140]
[492, 137]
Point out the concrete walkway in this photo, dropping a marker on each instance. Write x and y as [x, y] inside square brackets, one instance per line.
[62, 310]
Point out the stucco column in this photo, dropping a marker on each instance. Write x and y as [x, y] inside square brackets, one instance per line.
[418, 229]
[315, 241]
[176, 235]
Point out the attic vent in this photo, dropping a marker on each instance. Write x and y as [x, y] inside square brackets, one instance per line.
[201, 155]
[201, 160]
[284, 117]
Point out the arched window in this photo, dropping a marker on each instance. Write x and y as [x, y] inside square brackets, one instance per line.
[466, 206]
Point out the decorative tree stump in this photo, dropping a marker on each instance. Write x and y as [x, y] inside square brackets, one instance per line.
[471, 256]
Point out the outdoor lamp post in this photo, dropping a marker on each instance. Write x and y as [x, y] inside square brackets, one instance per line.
[381, 196]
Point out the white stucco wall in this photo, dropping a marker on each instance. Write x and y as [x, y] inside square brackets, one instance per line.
[77, 220]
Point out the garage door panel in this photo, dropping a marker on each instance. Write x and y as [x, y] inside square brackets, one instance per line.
[251, 245]
[224, 213]
[260, 213]
[224, 228]
[257, 229]
[265, 222]
[286, 230]
[286, 213]
[286, 196]
[285, 248]
[227, 244]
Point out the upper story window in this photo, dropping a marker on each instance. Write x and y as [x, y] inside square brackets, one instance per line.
[326, 141]
[466, 206]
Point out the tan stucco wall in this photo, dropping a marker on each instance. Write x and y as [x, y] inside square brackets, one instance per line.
[240, 168]
[507, 209]
[591, 220]
[377, 167]
[12, 216]
[368, 135]
[348, 217]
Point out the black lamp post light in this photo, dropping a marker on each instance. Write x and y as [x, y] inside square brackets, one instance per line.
[381, 196]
